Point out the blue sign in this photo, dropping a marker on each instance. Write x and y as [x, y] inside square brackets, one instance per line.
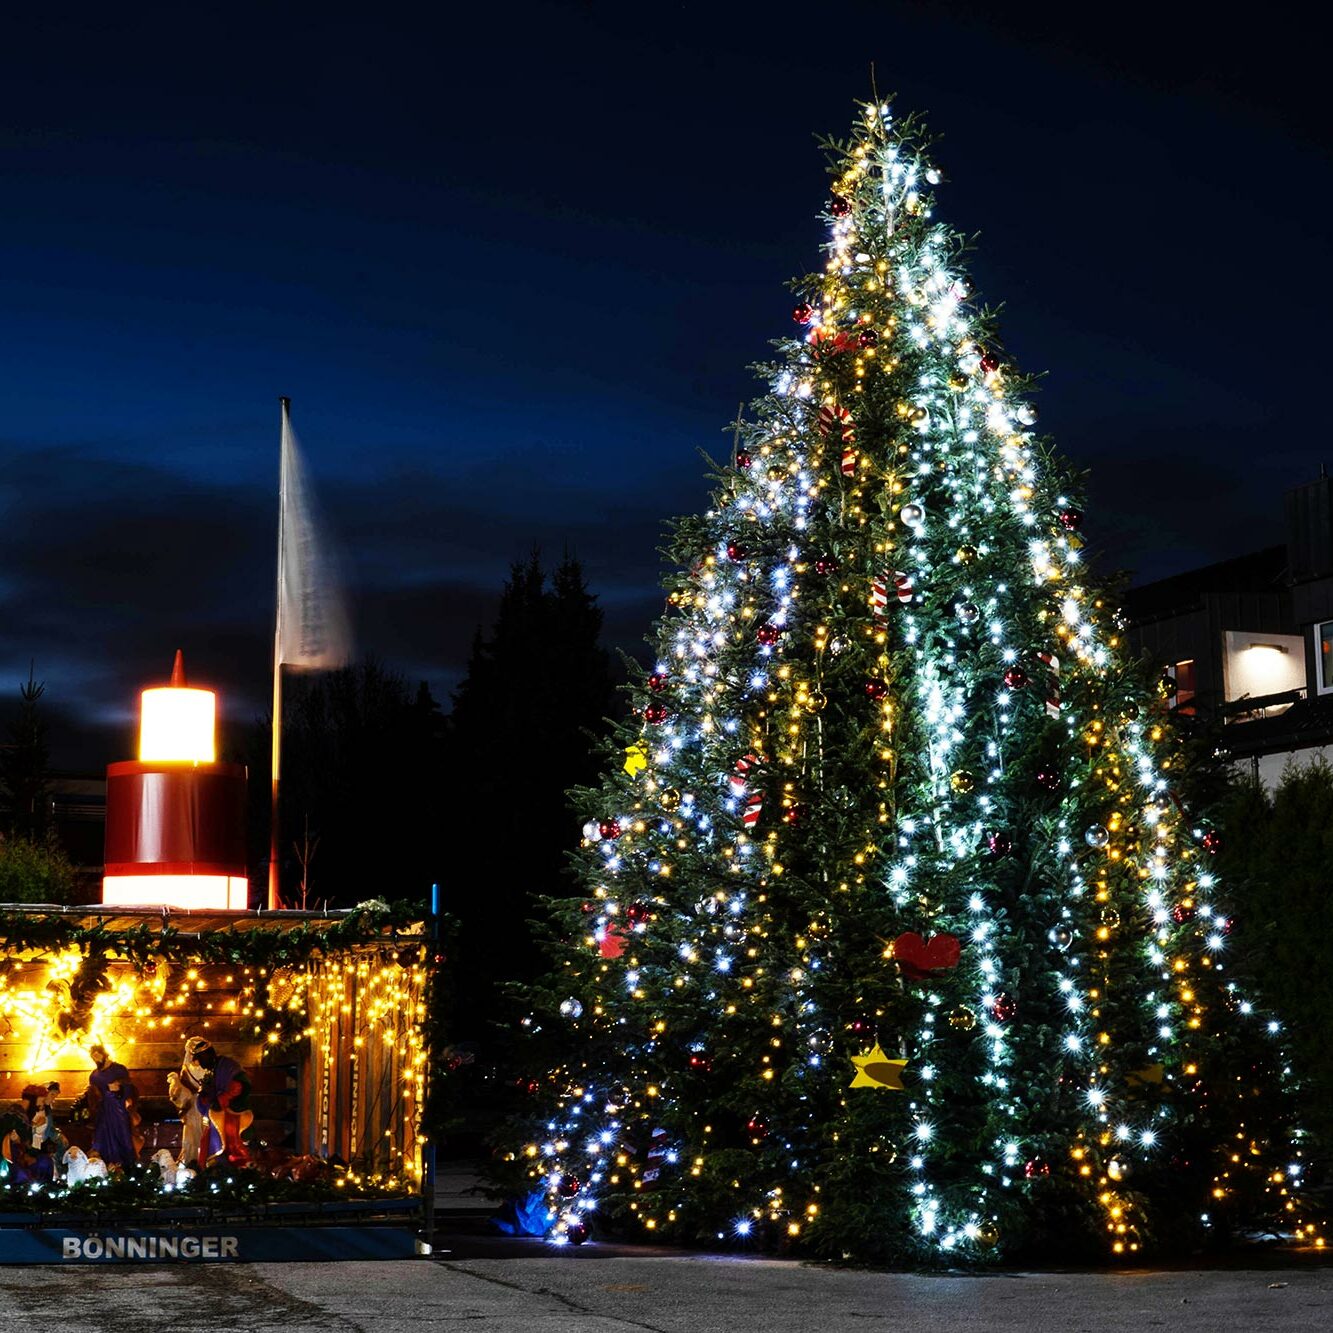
[205, 1245]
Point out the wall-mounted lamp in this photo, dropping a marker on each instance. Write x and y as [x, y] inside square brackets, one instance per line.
[1272, 647]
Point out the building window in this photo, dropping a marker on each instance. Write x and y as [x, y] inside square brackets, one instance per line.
[1184, 698]
[1323, 642]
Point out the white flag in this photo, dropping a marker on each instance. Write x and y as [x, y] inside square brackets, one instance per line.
[313, 629]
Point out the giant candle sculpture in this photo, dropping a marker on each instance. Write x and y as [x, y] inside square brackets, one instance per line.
[175, 817]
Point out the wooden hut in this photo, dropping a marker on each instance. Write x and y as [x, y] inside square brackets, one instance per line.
[326, 1014]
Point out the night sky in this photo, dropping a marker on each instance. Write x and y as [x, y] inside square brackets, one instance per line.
[511, 268]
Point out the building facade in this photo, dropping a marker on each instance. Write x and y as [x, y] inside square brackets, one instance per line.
[1248, 642]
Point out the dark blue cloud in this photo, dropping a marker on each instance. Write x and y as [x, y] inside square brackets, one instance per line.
[511, 267]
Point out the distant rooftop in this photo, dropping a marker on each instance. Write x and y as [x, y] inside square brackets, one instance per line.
[1260, 571]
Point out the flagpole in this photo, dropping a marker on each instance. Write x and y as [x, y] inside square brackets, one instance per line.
[274, 888]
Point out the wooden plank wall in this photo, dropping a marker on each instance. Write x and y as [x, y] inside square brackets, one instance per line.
[360, 1103]
[349, 1092]
[210, 1004]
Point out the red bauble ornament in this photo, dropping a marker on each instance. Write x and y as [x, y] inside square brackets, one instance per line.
[736, 551]
[793, 814]
[1037, 1168]
[655, 713]
[1212, 842]
[637, 913]
[867, 338]
[576, 1233]
[1225, 926]
[876, 689]
[827, 564]
[657, 682]
[1048, 777]
[609, 828]
[528, 1085]
[990, 363]
[768, 635]
[1182, 913]
[919, 958]
[757, 1126]
[1071, 519]
[839, 206]
[1003, 1008]
[570, 1186]
[1016, 678]
[803, 313]
[743, 458]
[700, 1063]
[999, 844]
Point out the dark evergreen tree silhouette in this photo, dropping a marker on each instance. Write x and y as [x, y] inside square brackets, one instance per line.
[523, 731]
[362, 762]
[24, 767]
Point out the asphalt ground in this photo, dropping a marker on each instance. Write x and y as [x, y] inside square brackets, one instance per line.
[526, 1288]
[495, 1284]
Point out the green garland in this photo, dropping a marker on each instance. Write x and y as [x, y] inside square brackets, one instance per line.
[263, 947]
[256, 946]
[220, 1189]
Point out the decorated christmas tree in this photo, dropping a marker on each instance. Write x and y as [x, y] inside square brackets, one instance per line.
[896, 937]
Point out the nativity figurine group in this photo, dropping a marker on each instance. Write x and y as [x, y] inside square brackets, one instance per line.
[210, 1091]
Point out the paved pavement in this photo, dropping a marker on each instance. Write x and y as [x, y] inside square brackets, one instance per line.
[499, 1285]
[592, 1290]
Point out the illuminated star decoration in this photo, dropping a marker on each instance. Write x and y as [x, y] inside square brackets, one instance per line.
[874, 1069]
[1148, 1076]
[636, 759]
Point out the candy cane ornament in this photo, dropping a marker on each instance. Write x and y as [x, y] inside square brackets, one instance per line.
[737, 779]
[903, 589]
[836, 420]
[1052, 664]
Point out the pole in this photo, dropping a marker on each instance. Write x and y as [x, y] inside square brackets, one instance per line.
[428, 1162]
[274, 887]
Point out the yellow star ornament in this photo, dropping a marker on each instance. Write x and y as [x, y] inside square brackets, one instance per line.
[636, 759]
[874, 1069]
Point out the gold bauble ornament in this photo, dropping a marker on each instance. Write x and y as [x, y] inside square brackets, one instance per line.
[817, 701]
[963, 782]
[967, 553]
[670, 799]
[962, 1019]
